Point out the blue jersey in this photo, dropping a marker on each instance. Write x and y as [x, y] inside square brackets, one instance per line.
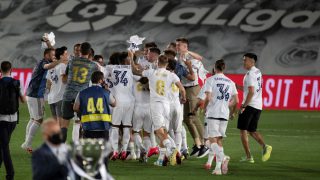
[38, 80]
[94, 109]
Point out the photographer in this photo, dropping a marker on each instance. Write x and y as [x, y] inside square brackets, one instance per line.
[10, 93]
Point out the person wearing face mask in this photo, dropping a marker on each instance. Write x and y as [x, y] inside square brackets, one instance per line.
[49, 161]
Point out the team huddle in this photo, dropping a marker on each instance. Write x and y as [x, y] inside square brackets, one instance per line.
[139, 101]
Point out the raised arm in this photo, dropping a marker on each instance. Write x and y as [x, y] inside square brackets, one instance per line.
[135, 68]
[52, 64]
[195, 55]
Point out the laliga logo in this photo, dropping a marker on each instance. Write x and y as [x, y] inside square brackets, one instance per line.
[83, 15]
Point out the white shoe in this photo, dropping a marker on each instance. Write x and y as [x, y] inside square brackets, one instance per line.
[224, 165]
[217, 172]
[158, 163]
[26, 147]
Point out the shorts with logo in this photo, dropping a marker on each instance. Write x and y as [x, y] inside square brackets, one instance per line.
[122, 114]
[248, 119]
[35, 107]
[215, 128]
[142, 118]
[160, 115]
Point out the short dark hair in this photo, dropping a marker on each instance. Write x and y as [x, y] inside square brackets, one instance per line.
[60, 51]
[122, 57]
[252, 56]
[97, 57]
[169, 52]
[172, 44]
[150, 45]
[85, 48]
[76, 45]
[163, 59]
[114, 58]
[183, 40]
[5, 66]
[171, 64]
[47, 51]
[155, 50]
[96, 77]
[220, 65]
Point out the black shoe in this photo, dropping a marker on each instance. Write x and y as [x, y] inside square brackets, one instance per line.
[195, 151]
[143, 156]
[203, 151]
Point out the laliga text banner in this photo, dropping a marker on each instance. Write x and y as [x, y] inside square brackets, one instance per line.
[279, 92]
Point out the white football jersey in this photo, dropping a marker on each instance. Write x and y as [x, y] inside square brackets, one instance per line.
[120, 82]
[222, 89]
[140, 91]
[174, 94]
[57, 86]
[160, 81]
[253, 78]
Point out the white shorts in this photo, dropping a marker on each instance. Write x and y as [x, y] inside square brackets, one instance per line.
[142, 118]
[175, 117]
[35, 107]
[122, 114]
[160, 115]
[216, 128]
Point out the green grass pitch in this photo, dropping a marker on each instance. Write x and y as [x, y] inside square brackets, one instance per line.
[295, 137]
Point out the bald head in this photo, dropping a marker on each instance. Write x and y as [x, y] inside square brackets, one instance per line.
[49, 127]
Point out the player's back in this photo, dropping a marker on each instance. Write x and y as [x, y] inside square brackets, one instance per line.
[222, 89]
[120, 81]
[160, 81]
[79, 73]
[174, 94]
[141, 91]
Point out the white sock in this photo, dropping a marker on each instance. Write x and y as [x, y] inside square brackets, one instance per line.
[125, 138]
[131, 147]
[219, 155]
[184, 143]
[167, 143]
[28, 126]
[171, 134]
[115, 139]
[162, 153]
[153, 139]
[178, 140]
[173, 144]
[75, 132]
[28, 129]
[147, 142]
[32, 132]
[138, 141]
[210, 155]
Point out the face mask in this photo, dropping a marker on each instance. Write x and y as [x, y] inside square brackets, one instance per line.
[55, 139]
